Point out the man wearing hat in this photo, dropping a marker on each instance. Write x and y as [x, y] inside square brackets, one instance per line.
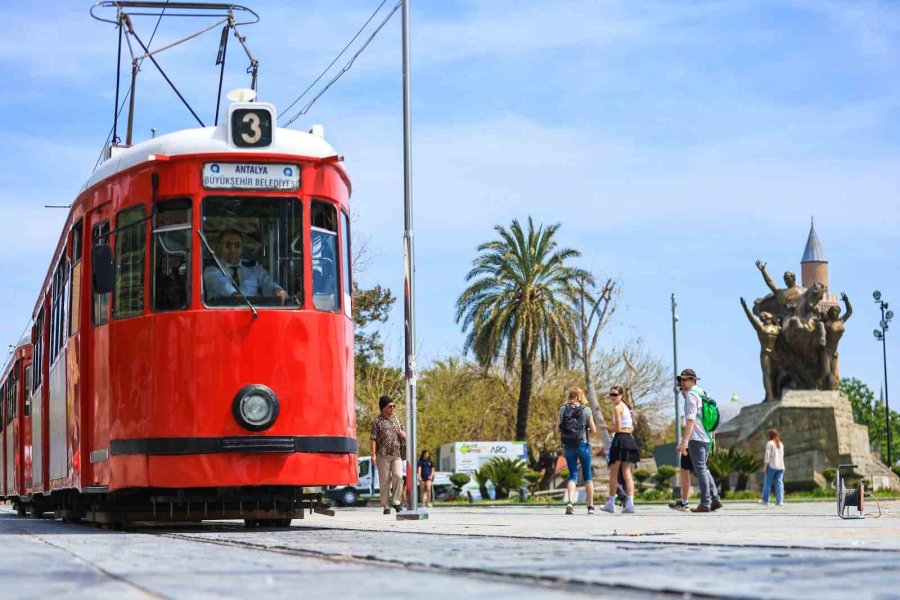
[695, 442]
[387, 439]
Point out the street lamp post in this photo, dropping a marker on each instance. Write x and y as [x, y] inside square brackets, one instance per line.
[880, 335]
[676, 489]
[675, 369]
[409, 270]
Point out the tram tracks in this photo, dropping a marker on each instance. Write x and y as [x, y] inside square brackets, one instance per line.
[486, 574]
[578, 566]
[614, 538]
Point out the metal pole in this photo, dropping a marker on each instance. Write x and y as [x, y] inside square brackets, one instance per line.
[675, 369]
[409, 288]
[887, 405]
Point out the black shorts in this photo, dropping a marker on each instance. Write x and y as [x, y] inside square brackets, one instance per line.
[686, 463]
[624, 449]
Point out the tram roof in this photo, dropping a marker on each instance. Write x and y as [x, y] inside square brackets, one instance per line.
[209, 140]
[10, 361]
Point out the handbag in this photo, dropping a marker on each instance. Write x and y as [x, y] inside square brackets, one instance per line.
[402, 442]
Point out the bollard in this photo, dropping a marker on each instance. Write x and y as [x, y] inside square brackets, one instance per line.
[522, 491]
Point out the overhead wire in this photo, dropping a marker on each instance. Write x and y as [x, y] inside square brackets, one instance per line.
[331, 64]
[346, 68]
[128, 93]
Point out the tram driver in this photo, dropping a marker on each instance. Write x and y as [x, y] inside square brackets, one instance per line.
[252, 279]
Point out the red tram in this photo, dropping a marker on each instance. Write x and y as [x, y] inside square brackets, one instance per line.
[15, 426]
[192, 343]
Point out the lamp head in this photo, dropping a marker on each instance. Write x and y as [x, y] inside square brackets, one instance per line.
[889, 315]
[878, 335]
[877, 295]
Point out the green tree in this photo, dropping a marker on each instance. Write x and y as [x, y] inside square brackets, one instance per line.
[506, 474]
[459, 480]
[745, 465]
[722, 463]
[370, 307]
[663, 476]
[516, 305]
[869, 412]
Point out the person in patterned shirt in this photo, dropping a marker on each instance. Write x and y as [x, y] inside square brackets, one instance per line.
[387, 438]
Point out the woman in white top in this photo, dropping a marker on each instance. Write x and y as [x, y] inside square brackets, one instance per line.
[774, 469]
[623, 450]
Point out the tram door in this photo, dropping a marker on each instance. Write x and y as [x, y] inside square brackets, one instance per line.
[95, 367]
[38, 335]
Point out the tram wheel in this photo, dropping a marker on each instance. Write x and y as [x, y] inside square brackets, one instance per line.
[252, 523]
[20, 510]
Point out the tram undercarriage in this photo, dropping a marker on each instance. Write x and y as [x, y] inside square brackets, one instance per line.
[267, 506]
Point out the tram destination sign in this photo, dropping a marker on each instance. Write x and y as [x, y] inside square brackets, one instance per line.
[251, 176]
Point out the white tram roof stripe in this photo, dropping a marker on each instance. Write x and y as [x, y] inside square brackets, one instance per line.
[208, 140]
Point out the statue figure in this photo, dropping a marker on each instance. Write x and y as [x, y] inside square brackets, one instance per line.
[802, 341]
[768, 333]
[834, 330]
[780, 301]
[798, 335]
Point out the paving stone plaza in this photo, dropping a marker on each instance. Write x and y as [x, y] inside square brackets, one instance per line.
[799, 550]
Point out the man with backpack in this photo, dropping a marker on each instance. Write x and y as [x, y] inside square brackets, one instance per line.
[575, 421]
[701, 417]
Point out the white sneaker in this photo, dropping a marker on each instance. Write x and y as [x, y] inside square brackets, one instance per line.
[609, 506]
[763, 502]
[629, 507]
[570, 509]
[779, 503]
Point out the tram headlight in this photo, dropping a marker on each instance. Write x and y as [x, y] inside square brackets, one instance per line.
[255, 407]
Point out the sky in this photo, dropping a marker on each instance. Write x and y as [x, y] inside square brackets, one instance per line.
[675, 142]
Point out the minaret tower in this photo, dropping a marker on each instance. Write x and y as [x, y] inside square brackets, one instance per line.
[813, 265]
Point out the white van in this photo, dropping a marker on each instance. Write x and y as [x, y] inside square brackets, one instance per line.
[368, 485]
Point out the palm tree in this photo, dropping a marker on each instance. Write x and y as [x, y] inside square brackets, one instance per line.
[516, 305]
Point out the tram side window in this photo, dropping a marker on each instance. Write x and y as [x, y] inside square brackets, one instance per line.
[28, 391]
[100, 302]
[10, 398]
[2, 407]
[345, 262]
[324, 256]
[37, 335]
[58, 297]
[75, 287]
[131, 234]
[258, 246]
[172, 255]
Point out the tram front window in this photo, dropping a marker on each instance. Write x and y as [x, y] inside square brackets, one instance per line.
[258, 249]
[324, 256]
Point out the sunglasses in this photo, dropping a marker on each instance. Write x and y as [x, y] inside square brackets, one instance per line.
[615, 395]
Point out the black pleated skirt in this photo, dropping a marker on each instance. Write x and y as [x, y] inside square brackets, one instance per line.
[624, 449]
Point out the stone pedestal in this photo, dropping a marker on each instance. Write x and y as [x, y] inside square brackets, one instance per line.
[818, 432]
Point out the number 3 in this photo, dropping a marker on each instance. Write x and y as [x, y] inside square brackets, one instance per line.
[256, 132]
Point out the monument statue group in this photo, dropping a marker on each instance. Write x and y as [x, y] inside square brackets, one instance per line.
[799, 331]
[799, 328]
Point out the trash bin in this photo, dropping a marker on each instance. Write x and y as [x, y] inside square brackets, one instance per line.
[522, 493]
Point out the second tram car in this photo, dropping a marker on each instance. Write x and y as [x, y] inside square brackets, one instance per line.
[191, 355]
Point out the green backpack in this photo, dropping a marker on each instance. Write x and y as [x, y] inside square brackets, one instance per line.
[709, 416]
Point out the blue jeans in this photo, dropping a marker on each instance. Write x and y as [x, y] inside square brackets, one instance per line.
[775, 476]
[699, 453]
[575, 454]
